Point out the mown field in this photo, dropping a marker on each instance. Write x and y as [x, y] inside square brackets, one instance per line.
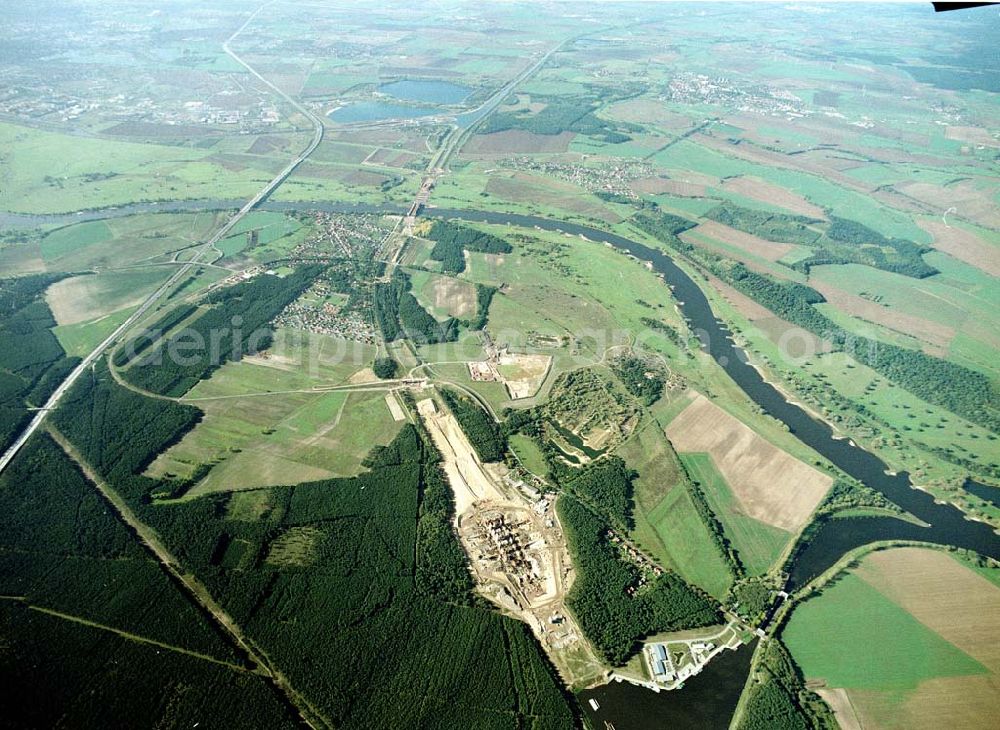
[666, 522]
[758, 543]
[47, 172]
[264, 423]
[910, 635]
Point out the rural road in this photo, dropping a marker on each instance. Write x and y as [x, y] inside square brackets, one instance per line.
[181, 272]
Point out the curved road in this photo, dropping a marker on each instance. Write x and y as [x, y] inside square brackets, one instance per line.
[181, 272]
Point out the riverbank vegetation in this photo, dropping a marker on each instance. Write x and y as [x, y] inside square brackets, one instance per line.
[967, 393]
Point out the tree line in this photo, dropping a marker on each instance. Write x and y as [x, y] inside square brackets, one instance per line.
[235, 323]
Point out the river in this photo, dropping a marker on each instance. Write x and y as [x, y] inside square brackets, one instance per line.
[947, 524]
[634, 708]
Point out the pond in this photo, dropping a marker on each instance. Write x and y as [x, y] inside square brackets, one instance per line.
[375, 111]
[426, 92]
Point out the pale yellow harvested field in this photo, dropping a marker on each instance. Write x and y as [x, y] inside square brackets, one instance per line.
[766, 192]
[942, 594]
[843, 710]
[649, 111]
[523, 374]
[657, 185]
[517, 140]
[964, 245]
[972, 135]
[973, 201]
[456, 297]
[87, 297]
[954, 703]
[770, 485]
[744, 241]
[933, 333]
[394, 408]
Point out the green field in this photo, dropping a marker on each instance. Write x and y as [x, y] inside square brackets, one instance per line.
[47, 172]
[833, 636]
[666, 522]
[758, 544]
[265, 424]
[119, 242]
[530, 454]
[277, 234]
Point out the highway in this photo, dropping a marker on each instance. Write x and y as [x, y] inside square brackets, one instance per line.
[181, 272]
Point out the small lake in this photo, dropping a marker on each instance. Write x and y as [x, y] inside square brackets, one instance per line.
[426, 92]
[376, 111]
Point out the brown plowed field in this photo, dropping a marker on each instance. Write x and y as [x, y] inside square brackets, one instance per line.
[771, 486]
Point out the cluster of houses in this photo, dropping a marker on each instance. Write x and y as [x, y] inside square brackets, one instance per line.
[645, 565]
[614, 178]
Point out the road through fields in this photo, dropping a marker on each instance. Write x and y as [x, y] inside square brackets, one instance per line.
[181, 272]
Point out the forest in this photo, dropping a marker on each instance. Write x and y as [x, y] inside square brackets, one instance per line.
[325, 578]
[778, 699]
[235, 324]
[119, 431]
[662, 226]
[385, 368]
[607, 487]
[138, 344]
[62, 550]
[484, 297]
[484, 434]
[779, 227]
[453, 239]
[850, 242]
[614, 620]
[32, 362]
[561, 114]
[642, 379]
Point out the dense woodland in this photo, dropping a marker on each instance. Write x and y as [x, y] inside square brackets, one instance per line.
[135, 346]
[780, 227]
[777, 698]
[120, 432]
[63, 550]
[607, 487]
[562, 114]
[841, 241]
[385, 368]
[323, 580]
[452, 239]
[614, 620]
[644, 380]
[32, 362]
[483, 432]
[235, 324]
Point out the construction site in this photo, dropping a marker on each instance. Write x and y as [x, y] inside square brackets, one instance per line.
[522, 374]
[516, 547]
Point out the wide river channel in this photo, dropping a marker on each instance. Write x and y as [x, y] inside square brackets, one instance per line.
[632, 708]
